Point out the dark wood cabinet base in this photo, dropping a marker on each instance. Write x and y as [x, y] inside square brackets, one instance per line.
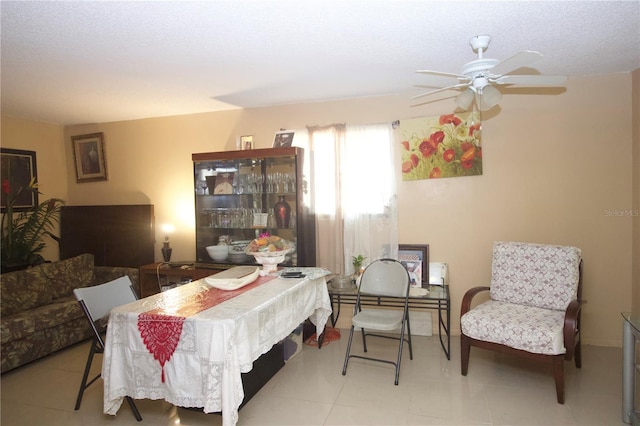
[264, 368]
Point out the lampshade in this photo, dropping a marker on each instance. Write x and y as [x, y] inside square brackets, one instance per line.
[464, 99]
[489, 98]
[167, 228]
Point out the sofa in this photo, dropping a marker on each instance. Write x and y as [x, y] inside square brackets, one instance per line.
[40, 315]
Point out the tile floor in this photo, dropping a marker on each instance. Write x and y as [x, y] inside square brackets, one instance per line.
[310, 390]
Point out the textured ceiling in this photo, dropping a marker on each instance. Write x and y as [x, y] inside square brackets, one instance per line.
[91, 61]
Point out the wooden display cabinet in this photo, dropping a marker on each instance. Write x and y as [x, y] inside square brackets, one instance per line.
[236, 196]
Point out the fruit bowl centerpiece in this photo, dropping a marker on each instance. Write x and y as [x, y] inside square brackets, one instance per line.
[269, 251]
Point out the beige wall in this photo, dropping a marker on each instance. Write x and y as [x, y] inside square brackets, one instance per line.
[554, 167]
[47, 141]
[557, 168]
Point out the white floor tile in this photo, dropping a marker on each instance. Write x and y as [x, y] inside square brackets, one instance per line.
[311, 390]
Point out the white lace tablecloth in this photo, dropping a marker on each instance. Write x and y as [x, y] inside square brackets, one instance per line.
[215, 346]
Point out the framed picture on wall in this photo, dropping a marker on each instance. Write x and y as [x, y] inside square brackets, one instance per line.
[88, 153]
[415, 257]
[18, 168]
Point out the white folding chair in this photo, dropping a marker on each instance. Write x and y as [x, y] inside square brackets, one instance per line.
[97, 301]
[382, 278]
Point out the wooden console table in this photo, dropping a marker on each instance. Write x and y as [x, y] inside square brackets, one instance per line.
[155, 275]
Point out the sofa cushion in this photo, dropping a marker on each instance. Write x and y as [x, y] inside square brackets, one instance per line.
[20, 294]
[60, 278]
[42, 343]
[23, 324]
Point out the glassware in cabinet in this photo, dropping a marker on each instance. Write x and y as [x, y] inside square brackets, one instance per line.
[238, 195]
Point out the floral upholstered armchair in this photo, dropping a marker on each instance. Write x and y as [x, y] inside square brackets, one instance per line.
[533, 310]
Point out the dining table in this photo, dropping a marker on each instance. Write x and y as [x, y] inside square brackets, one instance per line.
[190, 345]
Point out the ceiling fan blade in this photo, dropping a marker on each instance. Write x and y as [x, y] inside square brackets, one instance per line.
[519, 60]
[532, 80]
[440, 90]
[444, 74]
[428, 86]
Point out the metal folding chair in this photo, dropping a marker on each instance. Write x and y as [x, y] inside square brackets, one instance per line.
[383, 278]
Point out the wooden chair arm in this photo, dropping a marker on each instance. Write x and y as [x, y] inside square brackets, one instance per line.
[468, 297]
[572, 326]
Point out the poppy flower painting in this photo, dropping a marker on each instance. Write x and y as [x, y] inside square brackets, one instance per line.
[439, 147]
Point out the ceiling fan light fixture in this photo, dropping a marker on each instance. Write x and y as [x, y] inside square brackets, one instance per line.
[465, 99]
[488, 98]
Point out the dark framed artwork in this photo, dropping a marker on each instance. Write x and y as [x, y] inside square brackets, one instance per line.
[88, 154]
[17, 168]
[415, 257]
[283, 139]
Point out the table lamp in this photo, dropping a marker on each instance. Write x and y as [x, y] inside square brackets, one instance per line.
[166, 249]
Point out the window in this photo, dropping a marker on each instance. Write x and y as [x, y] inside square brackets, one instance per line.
[367, 170]
[353, 193]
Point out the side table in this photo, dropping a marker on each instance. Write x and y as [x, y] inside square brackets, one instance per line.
[437, 299]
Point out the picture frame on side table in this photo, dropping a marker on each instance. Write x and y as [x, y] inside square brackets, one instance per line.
[415, 257]
[89, 158]
[18, 168]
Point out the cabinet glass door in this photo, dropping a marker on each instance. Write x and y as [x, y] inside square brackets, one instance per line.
[241, 195]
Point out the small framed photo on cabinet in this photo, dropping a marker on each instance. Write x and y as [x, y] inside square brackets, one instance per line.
[246, 142]
[283, 139]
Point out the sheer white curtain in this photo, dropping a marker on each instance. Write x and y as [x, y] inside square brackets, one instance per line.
[353, 194]
[324, 144]
[369, 201]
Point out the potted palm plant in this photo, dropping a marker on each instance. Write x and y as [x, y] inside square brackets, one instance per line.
[22, 233]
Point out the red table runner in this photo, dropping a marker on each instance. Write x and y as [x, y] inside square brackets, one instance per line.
[161, 328]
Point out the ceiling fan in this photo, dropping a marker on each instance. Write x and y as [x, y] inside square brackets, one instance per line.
[478, 79]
